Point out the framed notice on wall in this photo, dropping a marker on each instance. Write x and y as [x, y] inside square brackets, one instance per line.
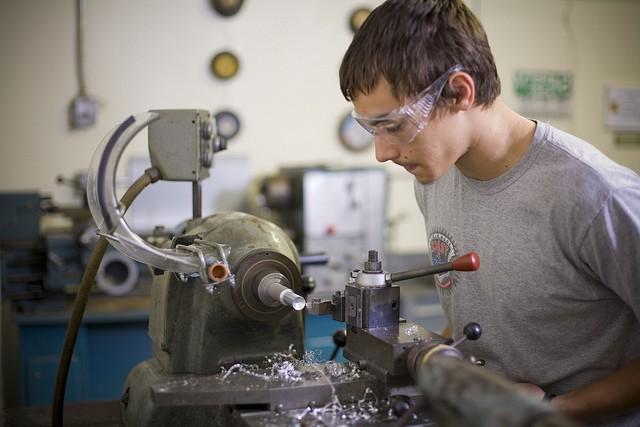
[622, 109]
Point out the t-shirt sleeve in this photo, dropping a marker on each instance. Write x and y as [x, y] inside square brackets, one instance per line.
[611, 246]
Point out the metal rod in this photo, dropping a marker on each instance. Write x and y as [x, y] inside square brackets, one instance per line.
[272, 290]
[80, 24]
[420, 272]
[197, 199]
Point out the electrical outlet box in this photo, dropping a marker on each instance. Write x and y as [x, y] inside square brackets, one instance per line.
[181, 144]
[82, 112]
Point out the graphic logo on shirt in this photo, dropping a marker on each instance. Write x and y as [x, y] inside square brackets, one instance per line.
[443, 250]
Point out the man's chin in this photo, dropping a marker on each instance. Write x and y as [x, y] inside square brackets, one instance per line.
[424, 178]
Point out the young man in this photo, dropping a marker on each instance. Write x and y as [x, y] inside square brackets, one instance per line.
[555, 222]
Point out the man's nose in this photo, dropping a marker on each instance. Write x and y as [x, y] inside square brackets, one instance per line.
[385, 150]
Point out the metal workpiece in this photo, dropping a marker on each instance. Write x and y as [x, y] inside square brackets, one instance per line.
[462, 394]
[288, 297]
[273, 290]
[250, 272]
[270, 287]
[181, 144]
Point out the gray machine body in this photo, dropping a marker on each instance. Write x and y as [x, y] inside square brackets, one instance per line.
[197, 330]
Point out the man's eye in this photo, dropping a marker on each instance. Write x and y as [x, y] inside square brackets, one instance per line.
[396, 127]
[393, 129]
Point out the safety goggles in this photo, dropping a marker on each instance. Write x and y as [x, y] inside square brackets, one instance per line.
[402, 125]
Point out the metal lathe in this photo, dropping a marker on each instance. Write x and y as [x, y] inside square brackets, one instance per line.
[226, 319]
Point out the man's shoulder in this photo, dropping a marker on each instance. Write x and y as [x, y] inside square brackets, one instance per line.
[579, 165]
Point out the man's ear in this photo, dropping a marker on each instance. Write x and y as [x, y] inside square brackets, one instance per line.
[465, 90]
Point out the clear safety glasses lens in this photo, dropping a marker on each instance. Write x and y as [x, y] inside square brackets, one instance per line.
[403, 124]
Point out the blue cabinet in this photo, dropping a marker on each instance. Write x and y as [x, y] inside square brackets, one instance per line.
[108, 346]
[319, 337]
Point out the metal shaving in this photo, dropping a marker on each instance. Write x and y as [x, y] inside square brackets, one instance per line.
[284, 371]
[348, 370]
[368, 409]
[311, 357]
[411, 330]
[289, 368]
[277, 366]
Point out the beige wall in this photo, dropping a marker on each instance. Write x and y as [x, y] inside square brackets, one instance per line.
[144, 54]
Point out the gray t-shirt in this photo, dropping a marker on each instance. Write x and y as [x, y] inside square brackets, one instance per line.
[558, 235]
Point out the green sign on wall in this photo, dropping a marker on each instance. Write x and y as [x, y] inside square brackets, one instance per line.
[544, 93]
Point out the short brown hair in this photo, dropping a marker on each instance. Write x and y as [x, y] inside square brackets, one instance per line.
[411, 42]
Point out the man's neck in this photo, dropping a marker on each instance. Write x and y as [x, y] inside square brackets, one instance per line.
[500, 138]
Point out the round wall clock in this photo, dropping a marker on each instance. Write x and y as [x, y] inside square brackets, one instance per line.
[225, 65]
[227, 123]
[226, 8]
[357, 18]
[352, 135]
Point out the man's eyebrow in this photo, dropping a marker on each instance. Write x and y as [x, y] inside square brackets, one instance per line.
[381, 121]
[381, 116]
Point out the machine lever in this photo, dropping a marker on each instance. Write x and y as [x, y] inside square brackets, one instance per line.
[471, 332]
[340, 340]
[467, 262]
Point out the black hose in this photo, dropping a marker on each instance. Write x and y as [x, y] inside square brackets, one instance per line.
[88, 278]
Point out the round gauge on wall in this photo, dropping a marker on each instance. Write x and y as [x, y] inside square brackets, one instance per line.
[352, 135]
[226, 8]
[225, 65]
[227, 123]
[357, 18]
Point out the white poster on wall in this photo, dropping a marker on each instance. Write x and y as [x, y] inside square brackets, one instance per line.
[622, 110]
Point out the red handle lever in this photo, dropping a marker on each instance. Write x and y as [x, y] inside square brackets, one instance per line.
[466, 262]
